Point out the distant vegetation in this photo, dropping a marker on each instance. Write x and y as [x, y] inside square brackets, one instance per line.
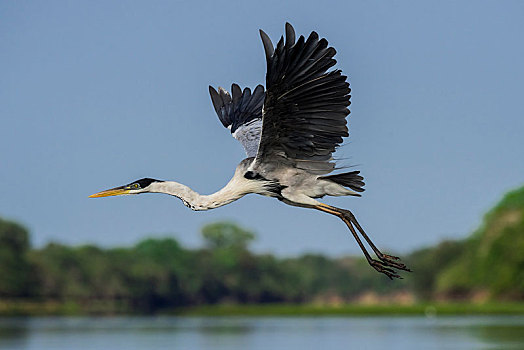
[159, 274]
[487, 265]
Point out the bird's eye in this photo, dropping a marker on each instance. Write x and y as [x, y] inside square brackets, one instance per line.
[135, 186]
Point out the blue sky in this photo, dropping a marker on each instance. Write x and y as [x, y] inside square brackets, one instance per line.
[97, 94]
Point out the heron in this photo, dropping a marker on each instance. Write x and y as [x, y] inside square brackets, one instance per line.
[289, 131]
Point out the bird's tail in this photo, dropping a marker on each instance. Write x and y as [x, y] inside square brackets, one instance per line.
[352, 180]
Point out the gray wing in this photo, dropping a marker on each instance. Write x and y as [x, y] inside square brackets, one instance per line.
[241, 114]
[305, 108]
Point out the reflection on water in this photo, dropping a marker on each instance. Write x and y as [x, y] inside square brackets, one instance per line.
[490, 332]
[501, 336]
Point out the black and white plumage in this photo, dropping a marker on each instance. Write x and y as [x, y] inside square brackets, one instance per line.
[289, 133]
[241, 114]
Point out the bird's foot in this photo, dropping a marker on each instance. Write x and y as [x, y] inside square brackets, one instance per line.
[389, 257]
[381, 267]
[392, 261]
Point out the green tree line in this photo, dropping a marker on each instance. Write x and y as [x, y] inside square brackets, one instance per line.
[160, 273]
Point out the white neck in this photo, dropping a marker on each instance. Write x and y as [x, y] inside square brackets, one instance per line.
[235, 189]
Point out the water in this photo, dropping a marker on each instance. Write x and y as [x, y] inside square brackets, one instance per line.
[326, 333]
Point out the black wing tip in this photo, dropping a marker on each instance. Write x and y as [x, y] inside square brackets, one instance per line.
[215, 99]
[236, 92]
[268, 45]
[290, 35]
[238, 106]
[314, 35]
[258, 87]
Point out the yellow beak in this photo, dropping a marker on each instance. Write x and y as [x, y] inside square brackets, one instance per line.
[117, 191]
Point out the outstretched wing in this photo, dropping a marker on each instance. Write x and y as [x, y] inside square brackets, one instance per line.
[241, 114]
[305, 108]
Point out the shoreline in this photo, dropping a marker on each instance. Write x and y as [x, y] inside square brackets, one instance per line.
[51, 308]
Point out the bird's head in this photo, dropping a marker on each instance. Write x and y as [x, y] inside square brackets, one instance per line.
[135, 187]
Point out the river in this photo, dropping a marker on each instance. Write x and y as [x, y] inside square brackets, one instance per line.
[263, 333]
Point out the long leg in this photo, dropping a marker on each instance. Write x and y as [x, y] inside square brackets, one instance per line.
[390, 259]
[387, 262]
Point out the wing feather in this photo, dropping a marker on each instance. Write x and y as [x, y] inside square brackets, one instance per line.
[241, 113]
[305, 105]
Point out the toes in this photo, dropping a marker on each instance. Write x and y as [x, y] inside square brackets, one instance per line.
[392, 261]
[398, 266]
[381, 267]
[389, 257]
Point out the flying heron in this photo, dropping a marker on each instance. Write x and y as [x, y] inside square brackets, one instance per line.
[289, 132]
